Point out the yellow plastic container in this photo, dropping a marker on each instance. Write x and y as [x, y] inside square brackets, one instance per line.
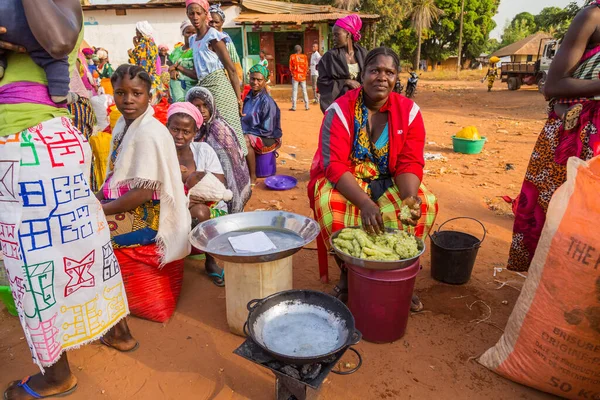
[245, 282]
[469, 133]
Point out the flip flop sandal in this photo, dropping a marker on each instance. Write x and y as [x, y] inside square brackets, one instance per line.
[23, 385]
[134, 348]
[218, 279]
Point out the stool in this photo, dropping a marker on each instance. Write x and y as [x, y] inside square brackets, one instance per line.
[247, 282]
[266, 164]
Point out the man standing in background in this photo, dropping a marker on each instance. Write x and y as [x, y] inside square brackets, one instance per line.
[314, 73]
[299, 70]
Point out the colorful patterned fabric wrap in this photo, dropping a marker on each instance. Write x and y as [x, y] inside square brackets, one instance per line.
[63, 273]
[574, 134]
[181, 86]
[226, 102]
[262, 145]
[135, 228]
[363, 148]
[145, 55]
[219, 135]
[84, 120]
[334, 212]
[264, 71]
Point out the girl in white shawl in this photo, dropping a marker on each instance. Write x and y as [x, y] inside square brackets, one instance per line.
[146, 203]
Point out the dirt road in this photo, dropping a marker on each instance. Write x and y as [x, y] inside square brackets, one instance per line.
[190, 357]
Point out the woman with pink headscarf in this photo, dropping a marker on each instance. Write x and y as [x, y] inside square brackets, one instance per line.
[340, 69]
[196, 159]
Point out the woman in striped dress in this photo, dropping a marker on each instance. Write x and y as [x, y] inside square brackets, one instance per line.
[214, 68]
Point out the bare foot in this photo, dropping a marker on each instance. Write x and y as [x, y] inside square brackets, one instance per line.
[58, 379]
[120, 338]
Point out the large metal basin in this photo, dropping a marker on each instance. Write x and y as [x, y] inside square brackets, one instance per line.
[377, 265]
[288, 231]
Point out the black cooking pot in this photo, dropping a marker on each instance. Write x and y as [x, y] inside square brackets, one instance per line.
[302, 326]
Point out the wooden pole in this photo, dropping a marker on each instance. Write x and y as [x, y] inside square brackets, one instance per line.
[460, 37]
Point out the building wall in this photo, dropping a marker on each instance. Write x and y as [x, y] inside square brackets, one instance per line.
[524, 58]
[103, 28]
[251, 58]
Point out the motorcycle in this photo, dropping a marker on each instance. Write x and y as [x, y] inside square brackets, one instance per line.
[398, 88]
[411, 86]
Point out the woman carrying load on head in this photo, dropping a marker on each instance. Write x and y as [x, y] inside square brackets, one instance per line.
[369, 163]
[182, 70]
[214, 68]
[145, 52]
[573, 87]
[57, 252]
[340, 69]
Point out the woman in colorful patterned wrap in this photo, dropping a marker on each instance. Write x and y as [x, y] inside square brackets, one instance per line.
[63, 273]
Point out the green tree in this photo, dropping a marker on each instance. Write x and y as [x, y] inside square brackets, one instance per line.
[529, 18]
[515, 31]
[404, 42]
[392, 12]
[441, 41]
[549, 19]
[423, 13]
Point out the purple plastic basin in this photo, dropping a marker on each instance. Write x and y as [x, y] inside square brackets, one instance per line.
[281, 182]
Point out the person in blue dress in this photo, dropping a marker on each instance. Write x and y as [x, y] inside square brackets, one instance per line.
[261, 120]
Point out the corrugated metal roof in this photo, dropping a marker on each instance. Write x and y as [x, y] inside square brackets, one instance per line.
[246, 18]
[280, 7]
[528, 46]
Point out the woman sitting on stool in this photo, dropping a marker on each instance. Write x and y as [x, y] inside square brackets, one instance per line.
[261, 119]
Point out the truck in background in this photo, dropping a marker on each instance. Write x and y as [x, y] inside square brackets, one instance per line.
[530, 73]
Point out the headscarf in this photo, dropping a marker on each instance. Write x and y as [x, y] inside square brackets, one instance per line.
[352, 23]
[144, 28]
[221, 137]
[187, 109]
[216, 8]
[184, 25]
[95, 57]
[202, 93]
[202, 3]
[102, 54]
[87, 51]
[261, 69]
[163, 47]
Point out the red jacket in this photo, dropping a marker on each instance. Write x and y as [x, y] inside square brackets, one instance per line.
[405, 127]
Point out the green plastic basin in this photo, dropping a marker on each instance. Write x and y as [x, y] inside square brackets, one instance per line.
[7, 299]
[466, 146]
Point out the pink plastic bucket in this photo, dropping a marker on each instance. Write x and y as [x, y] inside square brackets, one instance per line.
[380, 301]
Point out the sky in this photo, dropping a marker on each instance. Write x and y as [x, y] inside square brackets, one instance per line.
[509, 8]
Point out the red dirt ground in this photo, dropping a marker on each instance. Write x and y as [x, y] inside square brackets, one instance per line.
[190, 357]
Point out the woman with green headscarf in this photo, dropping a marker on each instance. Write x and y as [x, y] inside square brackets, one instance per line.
[261, 120]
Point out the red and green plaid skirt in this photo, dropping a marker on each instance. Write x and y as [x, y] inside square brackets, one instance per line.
[263, 146]
[333, 212]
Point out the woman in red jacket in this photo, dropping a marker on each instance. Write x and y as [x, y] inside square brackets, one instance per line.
[369, 163]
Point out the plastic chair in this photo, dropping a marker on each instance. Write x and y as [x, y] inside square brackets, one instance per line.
[283, 73]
